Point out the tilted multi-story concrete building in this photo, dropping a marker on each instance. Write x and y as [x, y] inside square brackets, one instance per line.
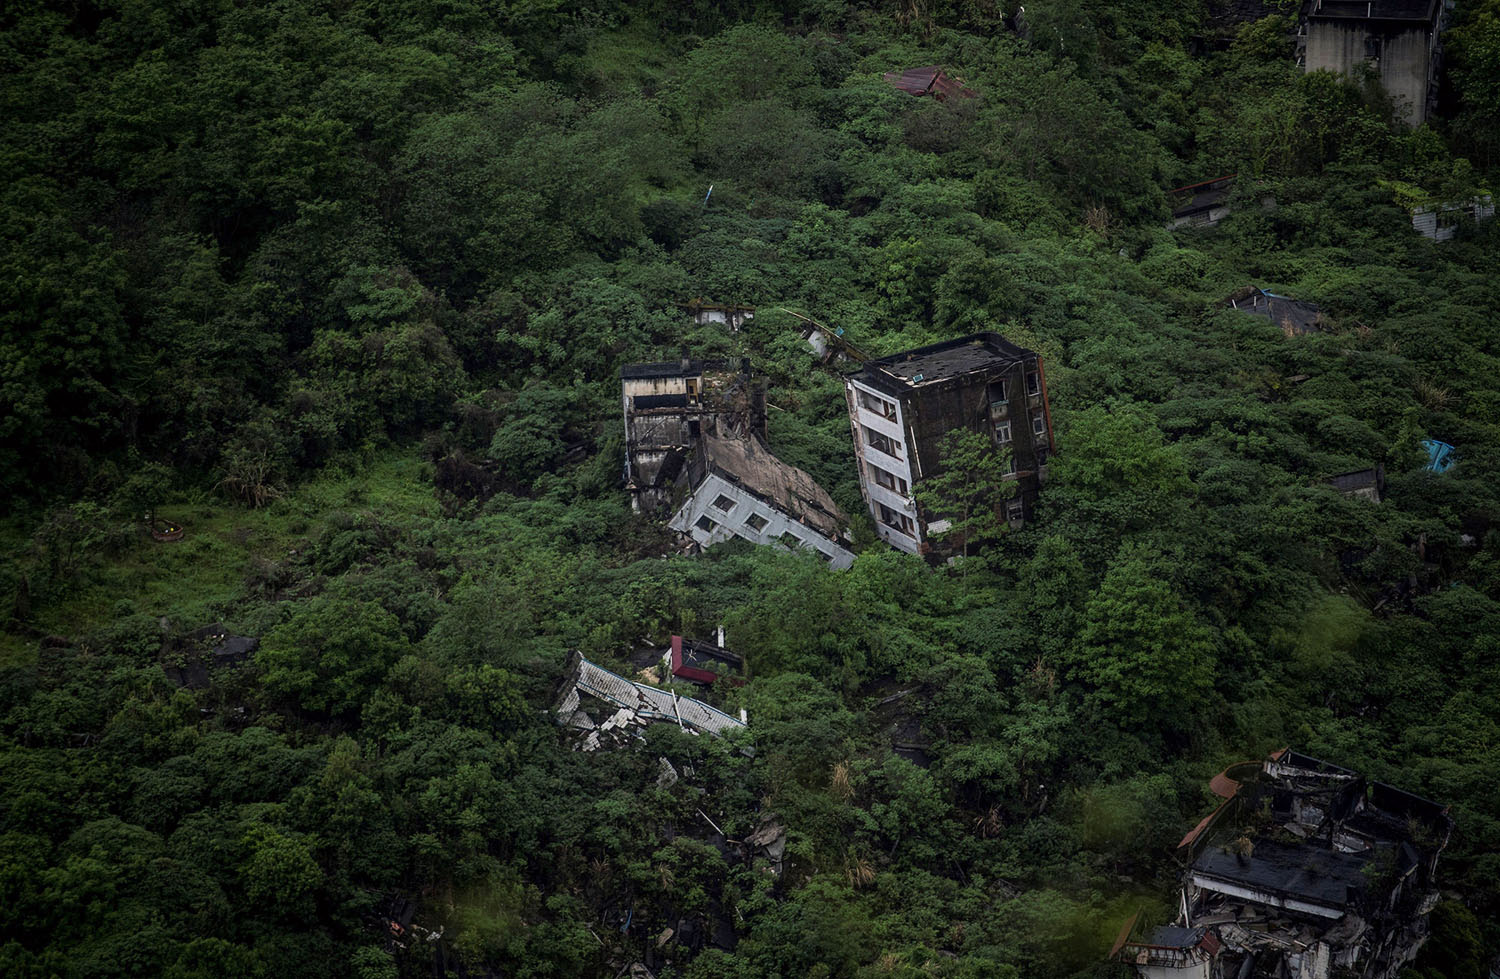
[901, 407]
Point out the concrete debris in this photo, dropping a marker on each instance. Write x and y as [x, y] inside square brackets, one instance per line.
[1305, 870]
[636, 705]
[768, 842]
[667, 774]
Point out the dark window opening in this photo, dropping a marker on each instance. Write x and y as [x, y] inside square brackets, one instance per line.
[1033, 384]
[756, 522]
[705, 524]
[890, 481]
[882, 442]
[724, 503]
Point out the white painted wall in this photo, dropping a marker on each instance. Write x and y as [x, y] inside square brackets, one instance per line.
[731, 523]
[875, 494]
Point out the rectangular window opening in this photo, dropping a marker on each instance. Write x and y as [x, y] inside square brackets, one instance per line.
[705, 523]
[724, 503]
[1002, 433]
[1033, 384]
[879, 406]
[756, 522]
[883, 443]
[1038, 425]
[888, 480]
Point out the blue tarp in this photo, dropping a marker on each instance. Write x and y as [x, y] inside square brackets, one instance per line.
[1439, 455]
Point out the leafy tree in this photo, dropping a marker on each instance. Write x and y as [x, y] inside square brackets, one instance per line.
[968, 490]
[1146, 660]
[330, 654]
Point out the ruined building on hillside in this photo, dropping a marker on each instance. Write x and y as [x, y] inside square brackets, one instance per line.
[735, 487]
[901, 407]
[668, 406]
[695, 452]
[1399, 40]
[1305, 870]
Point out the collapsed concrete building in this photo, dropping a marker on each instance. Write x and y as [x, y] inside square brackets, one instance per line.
[1399, 40]
[630, 706]
[668, 406]
[695, 449]
[902, 406]
[735, 487]
[1305, 869]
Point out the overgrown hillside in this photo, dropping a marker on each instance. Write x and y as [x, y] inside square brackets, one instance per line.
[342, 289]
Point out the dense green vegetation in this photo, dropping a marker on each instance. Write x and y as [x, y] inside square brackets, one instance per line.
[343, 288]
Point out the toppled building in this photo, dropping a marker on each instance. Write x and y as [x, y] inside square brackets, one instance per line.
[901, 407]
[1293, 316]
[1364, 484]
[668, 406]
[1400, 41]
[735, 487]
[929, 80]
[1203, 204]
[1304, 869]
[632, 705]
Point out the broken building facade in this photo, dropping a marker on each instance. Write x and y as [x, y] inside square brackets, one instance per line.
[1399, 40]
[1305, 869]
[668, 406]
[735, 487]
[695, 450]
[902, 406]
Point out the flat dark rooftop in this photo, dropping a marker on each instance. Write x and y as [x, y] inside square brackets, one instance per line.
[671, 368]
[951, 358]
[1418, 10]
[1174, 936]
[1307, 871]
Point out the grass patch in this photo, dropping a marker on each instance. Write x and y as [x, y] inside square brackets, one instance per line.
[201, 578]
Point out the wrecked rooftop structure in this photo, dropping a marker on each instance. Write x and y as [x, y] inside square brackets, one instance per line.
[632, 706]
[1293, 316]
[700, 661]
[929, 80]
[733, 316]
[901, 407]
[1305, 869]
